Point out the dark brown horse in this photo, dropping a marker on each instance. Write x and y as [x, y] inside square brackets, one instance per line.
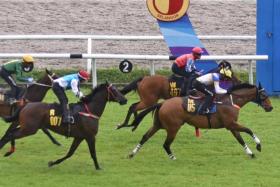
[152, 88]
[33, 93]
[85, 126]
[171, 115]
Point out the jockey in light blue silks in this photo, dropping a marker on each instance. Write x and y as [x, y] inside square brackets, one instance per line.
[67, 82]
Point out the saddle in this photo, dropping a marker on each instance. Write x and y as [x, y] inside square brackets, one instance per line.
[6, 96]
[193, 104]
[76, 110]
[176, 84]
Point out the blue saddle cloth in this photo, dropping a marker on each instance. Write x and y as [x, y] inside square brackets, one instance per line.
[193, 105]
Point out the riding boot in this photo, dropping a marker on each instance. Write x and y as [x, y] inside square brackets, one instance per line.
[204, 109]
[12, 98]
[13, 92]
[184, 87]
[190, 85]
[66, 118]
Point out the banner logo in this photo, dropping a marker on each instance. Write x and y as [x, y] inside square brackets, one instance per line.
[168, 10]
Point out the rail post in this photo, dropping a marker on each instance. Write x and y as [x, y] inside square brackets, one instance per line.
[152, 67]
[251, 75]
[89, 50]
[93, 72]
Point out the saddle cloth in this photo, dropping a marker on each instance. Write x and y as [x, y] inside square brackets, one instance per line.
[175, 84]
[193, 104]
[55, 113]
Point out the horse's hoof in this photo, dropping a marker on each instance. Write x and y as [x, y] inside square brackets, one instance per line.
[50, 164]
[259, 147]
[130, 156]
[134, 128]
[119, 126]
[8, 154]
[99, 168]
[58, 144]
[252, 156]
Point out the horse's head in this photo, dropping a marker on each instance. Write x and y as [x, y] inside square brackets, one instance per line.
[262, 99]
[51, 74]
[115, 95]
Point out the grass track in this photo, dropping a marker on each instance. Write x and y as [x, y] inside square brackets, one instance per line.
[215, 159]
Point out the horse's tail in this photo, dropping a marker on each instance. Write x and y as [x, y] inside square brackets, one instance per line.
[141, 115]
[131, 86]
[13, 117]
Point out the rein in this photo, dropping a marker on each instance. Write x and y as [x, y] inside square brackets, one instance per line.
[40, 84]
[88, 113]
[45, 85]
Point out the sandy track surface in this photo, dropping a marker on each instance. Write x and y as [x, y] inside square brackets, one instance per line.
[119, 17]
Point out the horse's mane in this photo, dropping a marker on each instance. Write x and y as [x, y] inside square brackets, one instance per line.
[241, 86]
[88, 97]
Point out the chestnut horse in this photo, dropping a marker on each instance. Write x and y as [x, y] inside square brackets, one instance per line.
[85, 126]
[33, 93]
[152, 88]
[170, 115]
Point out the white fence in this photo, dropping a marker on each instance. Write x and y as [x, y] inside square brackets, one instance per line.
[91, 64]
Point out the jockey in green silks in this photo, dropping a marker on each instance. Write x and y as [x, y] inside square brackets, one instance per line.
[17, 67]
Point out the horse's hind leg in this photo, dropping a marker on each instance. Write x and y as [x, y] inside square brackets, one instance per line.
[171, 134]
[76, 142]
[7, 138]
[242, 142]
[145, 138]
[91, 146]
[11, 128]
[16, 133]
[54, 141]
[130, 111]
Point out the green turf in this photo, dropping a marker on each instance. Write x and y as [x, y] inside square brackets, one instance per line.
[215, 159]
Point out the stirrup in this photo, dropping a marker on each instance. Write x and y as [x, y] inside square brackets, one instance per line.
[11, 100]
[69, 119]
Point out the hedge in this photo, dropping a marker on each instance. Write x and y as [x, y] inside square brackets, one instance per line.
[116, 76]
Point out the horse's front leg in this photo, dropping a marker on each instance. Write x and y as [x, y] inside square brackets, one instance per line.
[239, 138]
[130, 111]
[76, 142]
[91, 146]
[236, 126]
[54, 141]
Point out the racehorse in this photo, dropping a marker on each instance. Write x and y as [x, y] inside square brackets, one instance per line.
[152, 88]
[171, 115]
[85, 126]
[33, 93]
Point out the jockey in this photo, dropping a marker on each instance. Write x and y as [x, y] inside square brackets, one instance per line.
[16, 67]
[67, 82]
[208, 79]
[184, 65]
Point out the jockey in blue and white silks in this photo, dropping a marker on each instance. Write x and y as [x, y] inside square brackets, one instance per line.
[67, 82]
[202, 82]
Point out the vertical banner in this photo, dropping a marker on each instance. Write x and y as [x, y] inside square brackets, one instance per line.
[177, 29]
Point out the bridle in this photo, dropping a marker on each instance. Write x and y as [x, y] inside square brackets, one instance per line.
[88, 113]
[110, 92]
[260, 97]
